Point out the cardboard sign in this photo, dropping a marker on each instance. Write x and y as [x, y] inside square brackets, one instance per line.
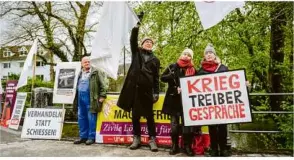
[18, 109]
[66, 82]
[42, 123]
[218, 98]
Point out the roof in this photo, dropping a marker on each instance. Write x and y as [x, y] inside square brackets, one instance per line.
[15, 51]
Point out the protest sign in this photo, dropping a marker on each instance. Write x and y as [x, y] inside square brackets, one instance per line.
[9, 101]
[18, 109]
[114, 125]
[65, 82]
[42, 123]
[218, 98]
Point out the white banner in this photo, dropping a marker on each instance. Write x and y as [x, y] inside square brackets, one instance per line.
[212, 12]
[42, 123]
[218, 98]
[65, 84]
[18, 109]
[116, 22]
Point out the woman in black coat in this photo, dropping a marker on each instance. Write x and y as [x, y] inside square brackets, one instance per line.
[141, 88]
[218, 133]
[172, 103]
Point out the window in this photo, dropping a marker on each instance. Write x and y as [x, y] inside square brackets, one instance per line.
[6, 65]
[4, 77]
[21, 64]
[7, 53]
[40, 63]
[23, 51]
[41, 77]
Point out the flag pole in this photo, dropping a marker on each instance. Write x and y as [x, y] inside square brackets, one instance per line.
[33, 78]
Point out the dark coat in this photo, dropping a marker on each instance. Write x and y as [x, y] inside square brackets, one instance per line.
[142, 80]
[221, 68]
[98, 88]
[172, 104]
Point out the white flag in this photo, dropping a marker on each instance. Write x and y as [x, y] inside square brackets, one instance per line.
[212, 12]
[112, 34]
[28, 65]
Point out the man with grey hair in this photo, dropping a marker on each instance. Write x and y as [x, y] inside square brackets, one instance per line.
[141, 88]
[91, 92]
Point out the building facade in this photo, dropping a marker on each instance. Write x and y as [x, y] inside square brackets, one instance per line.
[12, 59]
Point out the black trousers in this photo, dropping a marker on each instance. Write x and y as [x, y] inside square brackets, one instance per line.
[218, 136]
[177, 129]
[137, 125]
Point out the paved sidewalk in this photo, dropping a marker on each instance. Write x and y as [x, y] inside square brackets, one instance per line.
[11, 145]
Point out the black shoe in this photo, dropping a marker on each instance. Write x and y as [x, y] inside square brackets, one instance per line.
[189, 151]
[136, 142]
[224, 153]
[213, 153]
[90, 141]
[79, 141]
[174, 149]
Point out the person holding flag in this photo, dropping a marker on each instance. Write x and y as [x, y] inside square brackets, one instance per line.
[141, 87]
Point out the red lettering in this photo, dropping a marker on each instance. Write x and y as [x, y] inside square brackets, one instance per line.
[235, 84]
[193, 117]
[199, 113]
[224, 111]
[215, 84]
[205, 84]
[241, 109]
[217, 112]
[210, 110]
[230, 110]
[192, 86]
[205, 113]
[237, 111]
[236, 114]
[222, 82]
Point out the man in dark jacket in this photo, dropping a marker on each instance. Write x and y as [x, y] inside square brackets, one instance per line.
[91, 92]
[141, 88]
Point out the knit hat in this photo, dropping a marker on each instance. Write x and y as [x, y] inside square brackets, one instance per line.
[189, 51]
[145, 39]
[209, 48]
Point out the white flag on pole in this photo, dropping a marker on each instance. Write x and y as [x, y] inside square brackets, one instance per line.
[212, 12]
[28, 65]
[112, 34]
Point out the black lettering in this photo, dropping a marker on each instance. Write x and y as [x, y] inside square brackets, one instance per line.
[208, 99]
[117, 114]
[229, 97]
[200, 100]
[193, 100]
[220, 97]
[237, 95]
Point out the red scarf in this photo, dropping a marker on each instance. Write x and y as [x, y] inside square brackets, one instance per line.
[187, 64]
[209, 66]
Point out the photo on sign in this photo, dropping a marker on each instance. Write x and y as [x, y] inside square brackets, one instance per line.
[66, 78]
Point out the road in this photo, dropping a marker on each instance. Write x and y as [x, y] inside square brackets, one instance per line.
[11, 145]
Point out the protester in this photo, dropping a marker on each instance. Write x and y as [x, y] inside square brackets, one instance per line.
[91, 92]
[218, 133]
[141, 88]
[172, 103]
